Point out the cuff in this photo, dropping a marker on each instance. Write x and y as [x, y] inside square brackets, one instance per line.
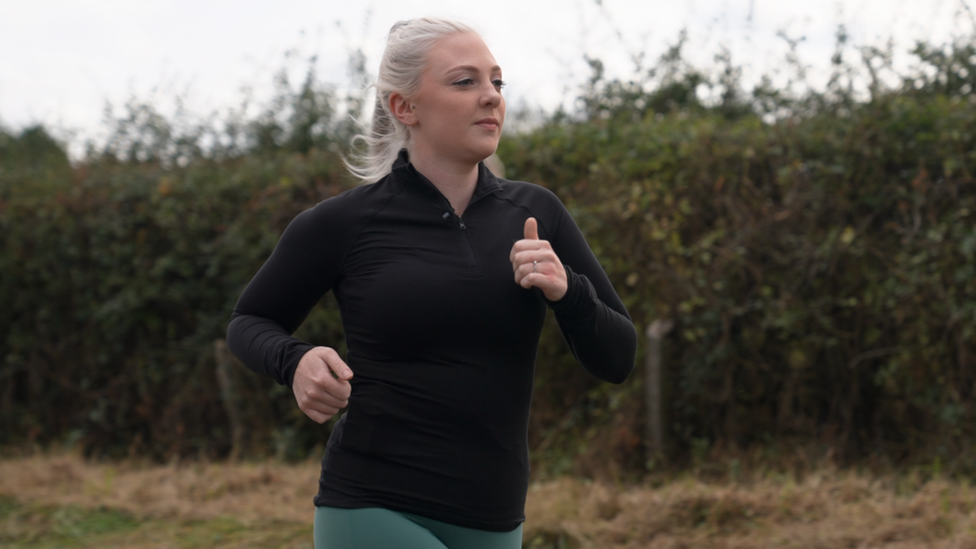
[580, 299]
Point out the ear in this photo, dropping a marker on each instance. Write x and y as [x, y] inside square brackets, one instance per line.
[402, 109]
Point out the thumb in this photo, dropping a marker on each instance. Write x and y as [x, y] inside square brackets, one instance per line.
[338, 366]
[531, 229]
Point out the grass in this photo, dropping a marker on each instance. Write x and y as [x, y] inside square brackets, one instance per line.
[51, 526]
[65, 501]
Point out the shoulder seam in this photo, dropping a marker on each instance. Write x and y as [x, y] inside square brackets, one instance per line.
[362, 228]
[529, 210]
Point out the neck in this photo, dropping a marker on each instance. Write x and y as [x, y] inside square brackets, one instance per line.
[455, 180]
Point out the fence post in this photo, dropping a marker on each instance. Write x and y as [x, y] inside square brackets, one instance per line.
[654, 387]
[230, 395]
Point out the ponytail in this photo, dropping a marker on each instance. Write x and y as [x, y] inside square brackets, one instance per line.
[404, 60]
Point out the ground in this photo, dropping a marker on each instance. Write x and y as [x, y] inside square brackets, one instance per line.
[66, 501]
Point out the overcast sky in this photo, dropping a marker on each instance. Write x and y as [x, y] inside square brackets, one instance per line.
[61, 61]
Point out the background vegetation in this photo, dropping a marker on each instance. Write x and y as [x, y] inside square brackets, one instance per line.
[815, 249]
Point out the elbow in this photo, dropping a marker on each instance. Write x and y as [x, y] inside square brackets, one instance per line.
[615, 372]
[615, 365]
[606, 346]
[621, 375]
[237, 342]
[623, 360]
[621, 369]
[230, 332]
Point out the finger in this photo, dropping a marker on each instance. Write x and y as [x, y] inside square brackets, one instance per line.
[336, 364]
[320, 415]
[320, 381]
[323, 408]
[530, 274]
[531, 229]
[335, 397]
[530, 241]
[339, 389]
[320, 403]
[541, 253]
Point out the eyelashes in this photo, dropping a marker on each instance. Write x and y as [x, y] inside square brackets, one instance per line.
[467, 82]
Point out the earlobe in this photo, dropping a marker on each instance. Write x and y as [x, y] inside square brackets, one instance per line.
[402, 109]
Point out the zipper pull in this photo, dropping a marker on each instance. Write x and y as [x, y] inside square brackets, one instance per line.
[456, 216]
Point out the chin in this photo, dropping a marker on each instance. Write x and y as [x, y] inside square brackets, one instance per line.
[484, 152]
[482, 157]
[471, 150]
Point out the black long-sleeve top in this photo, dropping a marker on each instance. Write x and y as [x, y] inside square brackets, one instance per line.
[442, 341]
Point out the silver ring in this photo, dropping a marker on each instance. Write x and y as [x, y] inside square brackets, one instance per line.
[535, 265]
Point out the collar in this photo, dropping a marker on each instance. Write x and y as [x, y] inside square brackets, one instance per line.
[404, 170]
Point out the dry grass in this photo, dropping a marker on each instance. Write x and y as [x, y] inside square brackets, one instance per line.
[825, 509]
[248, 492]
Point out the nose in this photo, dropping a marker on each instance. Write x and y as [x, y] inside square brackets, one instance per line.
[492, 97]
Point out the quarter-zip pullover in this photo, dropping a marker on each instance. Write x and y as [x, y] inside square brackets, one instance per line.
[442, 341]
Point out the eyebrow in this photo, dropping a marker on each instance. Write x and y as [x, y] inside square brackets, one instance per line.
[472, 68]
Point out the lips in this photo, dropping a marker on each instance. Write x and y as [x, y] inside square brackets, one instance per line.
[489, 123]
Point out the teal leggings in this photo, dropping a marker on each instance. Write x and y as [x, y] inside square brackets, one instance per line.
[376, 528]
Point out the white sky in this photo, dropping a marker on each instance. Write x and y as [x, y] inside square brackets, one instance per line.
[61, 61]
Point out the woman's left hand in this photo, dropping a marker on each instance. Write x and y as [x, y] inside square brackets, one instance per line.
[536, 264]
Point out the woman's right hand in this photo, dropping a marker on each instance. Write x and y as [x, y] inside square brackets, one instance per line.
[321, 383]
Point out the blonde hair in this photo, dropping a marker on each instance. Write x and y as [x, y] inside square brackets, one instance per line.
[407, 51]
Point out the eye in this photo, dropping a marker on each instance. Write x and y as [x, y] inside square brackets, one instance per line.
[499, 83]
[464, 82]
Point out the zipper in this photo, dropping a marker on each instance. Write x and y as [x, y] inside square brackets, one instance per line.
[456, 217]
[447, 203]
[468, 251]
[465, 242]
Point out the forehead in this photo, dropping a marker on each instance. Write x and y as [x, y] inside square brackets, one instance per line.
[460, 49]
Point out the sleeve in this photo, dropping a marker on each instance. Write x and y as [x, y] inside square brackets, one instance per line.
[591, 316]
[303, 267]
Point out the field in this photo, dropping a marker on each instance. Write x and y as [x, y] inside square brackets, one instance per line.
[65, 501]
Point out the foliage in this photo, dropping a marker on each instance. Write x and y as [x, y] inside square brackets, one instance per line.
[815, 249]
[819, 266]
[121, 273]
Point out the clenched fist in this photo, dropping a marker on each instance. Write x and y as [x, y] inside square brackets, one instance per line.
[536, 264]
[321, 383]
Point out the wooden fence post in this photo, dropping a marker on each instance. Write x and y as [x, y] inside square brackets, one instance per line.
[227, 371]
[653, 387]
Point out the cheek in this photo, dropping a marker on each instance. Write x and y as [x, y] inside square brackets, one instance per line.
[458, 117]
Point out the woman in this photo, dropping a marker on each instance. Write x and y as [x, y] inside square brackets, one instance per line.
[431, 451]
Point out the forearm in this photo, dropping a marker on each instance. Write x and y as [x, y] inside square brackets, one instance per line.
[299, 272]
[265, 347]
[602, 339]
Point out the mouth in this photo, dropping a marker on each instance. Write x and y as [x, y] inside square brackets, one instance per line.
[488, 123]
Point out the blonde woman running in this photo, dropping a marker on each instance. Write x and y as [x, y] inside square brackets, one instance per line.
[443, 274]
